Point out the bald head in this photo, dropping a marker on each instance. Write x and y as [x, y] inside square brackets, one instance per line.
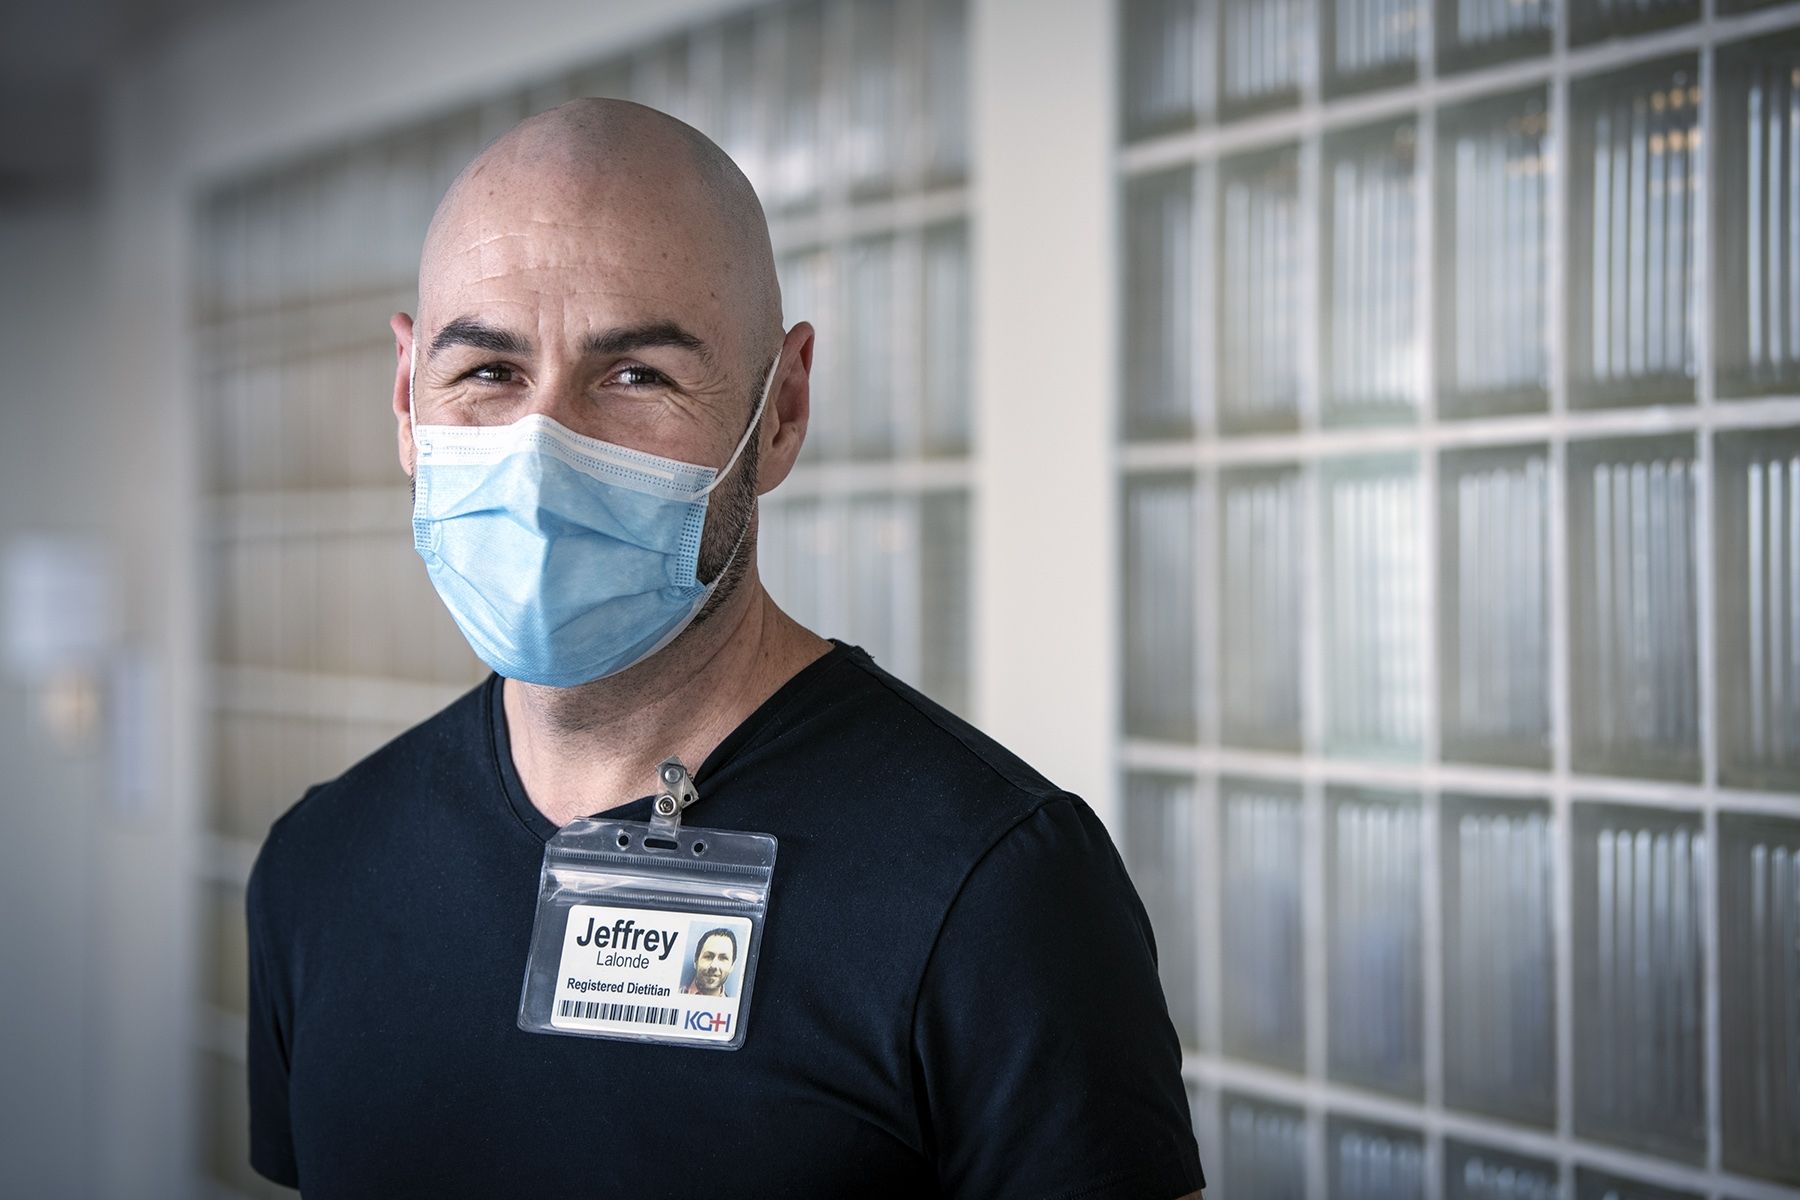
[635, 193]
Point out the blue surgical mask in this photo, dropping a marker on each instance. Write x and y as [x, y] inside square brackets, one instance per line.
[563, 558]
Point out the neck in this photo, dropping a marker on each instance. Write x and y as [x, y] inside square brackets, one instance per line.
[586, 749]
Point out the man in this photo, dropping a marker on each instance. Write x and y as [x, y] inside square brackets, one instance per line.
[714, 959]
[596, 389]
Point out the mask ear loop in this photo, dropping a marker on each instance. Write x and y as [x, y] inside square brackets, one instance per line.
[412, 394]
[755, 423]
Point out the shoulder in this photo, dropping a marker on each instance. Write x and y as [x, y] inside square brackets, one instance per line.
[1042, 981]
[889, 806]
[319, 835]
[882, 735]
[1053, 878]
[933, 814]
[943, 730]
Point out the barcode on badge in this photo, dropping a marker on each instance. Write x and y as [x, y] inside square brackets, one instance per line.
[600, 1010]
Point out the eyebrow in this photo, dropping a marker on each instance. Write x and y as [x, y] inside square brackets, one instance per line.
[467, 331]
[651, 333]
[477, 334]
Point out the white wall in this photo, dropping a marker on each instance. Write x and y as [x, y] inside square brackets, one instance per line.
[47, 796]
[1045, 329]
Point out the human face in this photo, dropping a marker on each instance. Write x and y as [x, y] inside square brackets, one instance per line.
[619, 319]
[712, 965]
[535, 306]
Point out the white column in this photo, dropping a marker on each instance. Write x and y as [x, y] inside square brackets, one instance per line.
[1043, 111]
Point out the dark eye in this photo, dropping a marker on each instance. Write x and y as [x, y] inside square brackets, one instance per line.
[641, 377]
[493, 373]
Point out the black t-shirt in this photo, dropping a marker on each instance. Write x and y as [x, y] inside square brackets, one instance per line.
[957, 992]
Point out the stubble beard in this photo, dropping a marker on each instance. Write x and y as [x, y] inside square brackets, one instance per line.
[733, 529]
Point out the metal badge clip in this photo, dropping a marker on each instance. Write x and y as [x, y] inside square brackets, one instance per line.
[675, 791]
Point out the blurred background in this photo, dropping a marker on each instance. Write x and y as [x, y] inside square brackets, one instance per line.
[1352, 442]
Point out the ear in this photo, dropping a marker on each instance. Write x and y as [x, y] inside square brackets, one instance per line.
[785, 416]
[402, 325]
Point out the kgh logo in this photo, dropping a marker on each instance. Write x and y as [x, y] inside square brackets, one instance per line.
[706, 1022]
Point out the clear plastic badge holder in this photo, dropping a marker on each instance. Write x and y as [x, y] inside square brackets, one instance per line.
[648, 932]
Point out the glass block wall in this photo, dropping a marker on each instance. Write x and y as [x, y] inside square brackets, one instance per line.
[1460, 537]
[325, 637]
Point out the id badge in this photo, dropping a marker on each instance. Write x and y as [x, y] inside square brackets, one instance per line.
[648, 931]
